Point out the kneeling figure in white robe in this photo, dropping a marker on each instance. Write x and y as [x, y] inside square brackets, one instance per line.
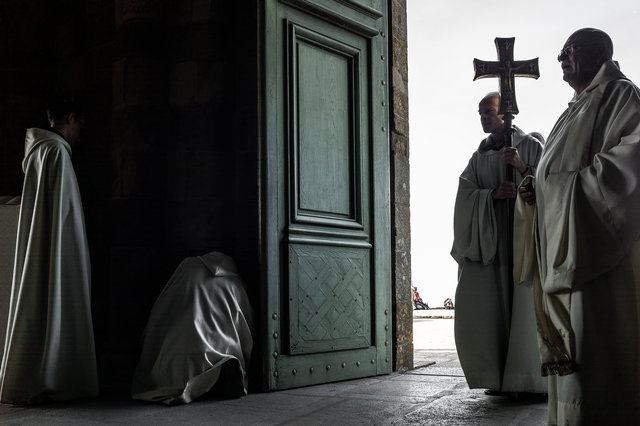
[201, 322]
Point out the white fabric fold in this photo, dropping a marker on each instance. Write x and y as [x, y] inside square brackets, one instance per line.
[199, 332]
[588, 205]
[496, 343]
[49, 350]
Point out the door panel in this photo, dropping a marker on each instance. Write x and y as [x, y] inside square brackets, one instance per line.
[324, 142]
[326, 186]
[324, 94]
[329, 301]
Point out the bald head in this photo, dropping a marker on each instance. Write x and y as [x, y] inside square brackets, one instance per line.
[491, 95]
[582, 56]
[596, 45]
[488, 109]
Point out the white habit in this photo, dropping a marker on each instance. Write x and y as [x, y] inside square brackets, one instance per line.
[199, 331]
[496, 343]
[588, 228]
[49, 351]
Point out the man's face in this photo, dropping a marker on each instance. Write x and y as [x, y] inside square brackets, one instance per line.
[489, 118]
[74, 126]
[578, 60]
[570, 61]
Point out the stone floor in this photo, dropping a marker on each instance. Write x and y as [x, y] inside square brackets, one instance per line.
[435, 393]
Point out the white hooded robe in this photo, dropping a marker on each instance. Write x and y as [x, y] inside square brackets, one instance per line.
[198, 334]
[49, 350]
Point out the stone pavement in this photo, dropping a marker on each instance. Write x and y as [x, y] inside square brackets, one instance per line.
[435, 393]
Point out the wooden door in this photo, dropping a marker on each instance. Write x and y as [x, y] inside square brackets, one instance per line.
[326, 192]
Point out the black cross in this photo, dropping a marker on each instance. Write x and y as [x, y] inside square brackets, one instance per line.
[506, 69]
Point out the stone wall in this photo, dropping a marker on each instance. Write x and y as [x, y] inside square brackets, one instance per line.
[168, 161]
[400, 217]
[24, 34]
[184, 156]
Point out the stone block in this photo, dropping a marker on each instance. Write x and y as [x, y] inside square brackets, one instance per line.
[246, 179]
[399, 145]
[127, 11]
[138, 274]
[210, 73]
[403, 357]
[140, 127]
[211, 173]
[140, 174]
[196, 223]
[399, 53]
[70, 76]
[401, 179]
[183, 84]
[142, 39]
[195, 41]
[402, 279]
[400, 116]
[139, 81]
[102, 28]
[403, 329]
[117, 81]
[99, 60]
[181, 12]
[400, 124]
[177, 174]
[19, 111]
[94, 7]
[138, 223]
[178, 12]
[401, 228]
[399, 16]
[65, 39]
[199, 173]
[201, 10]
[197, 127]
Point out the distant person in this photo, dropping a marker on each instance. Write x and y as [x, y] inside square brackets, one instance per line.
[418, 303]
[587, 234]
[49, 351]
[495, 328]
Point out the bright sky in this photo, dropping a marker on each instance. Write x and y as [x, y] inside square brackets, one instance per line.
[444, 37]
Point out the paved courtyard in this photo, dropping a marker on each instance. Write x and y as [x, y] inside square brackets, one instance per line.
[435, 393]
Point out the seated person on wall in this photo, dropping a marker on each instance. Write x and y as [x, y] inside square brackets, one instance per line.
[199, 335]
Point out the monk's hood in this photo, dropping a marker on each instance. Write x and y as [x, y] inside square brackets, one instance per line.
[37, 137]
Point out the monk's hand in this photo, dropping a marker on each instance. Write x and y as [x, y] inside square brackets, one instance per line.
[527, 190]
[510, 156]
[505, 190]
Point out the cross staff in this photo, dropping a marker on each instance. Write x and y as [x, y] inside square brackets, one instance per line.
[506, 69]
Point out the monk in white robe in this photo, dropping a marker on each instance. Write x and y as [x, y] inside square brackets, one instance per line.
[587, 237]
[494, 322]
[198, 336]
[49, 350]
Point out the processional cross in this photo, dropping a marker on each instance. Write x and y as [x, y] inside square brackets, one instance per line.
[506, 69]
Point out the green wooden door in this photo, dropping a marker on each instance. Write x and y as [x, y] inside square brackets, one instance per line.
[326, 192]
